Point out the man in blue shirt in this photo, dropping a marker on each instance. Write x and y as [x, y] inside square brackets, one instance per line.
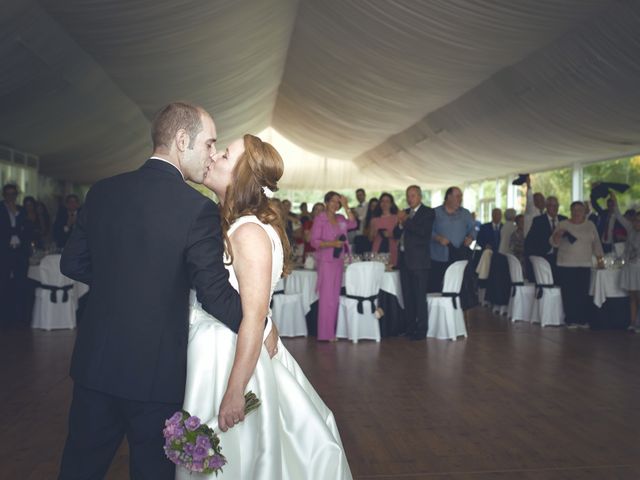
[453, 231]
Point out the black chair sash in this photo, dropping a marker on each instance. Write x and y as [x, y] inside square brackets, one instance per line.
[361, 301]
[452, 296]
[541, 286]
[513, 287]
[54, 290]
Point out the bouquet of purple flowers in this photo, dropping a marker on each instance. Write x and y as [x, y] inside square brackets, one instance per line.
[194, 445]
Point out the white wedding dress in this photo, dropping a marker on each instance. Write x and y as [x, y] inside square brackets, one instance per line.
[293, 435]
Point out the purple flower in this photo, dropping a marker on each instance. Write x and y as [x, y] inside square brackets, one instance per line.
[175, 419]
[203, 441]
[188, 448]
[217, 461]
[192, 423]
[173, 431]
[200, 453]
[197, 466]
[173, 455]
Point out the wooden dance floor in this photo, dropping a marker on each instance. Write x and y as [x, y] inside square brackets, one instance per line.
[510, 402]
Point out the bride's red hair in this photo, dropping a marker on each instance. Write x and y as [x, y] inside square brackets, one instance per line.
[259, 166]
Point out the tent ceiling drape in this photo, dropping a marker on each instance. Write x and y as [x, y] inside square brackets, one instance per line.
[376, 93]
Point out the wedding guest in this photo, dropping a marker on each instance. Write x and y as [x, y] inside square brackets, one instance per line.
[363, 243]
[453, 232]
[489, 234]
[476, 223]
[361, 209]
[507, 230]
[414, 234]
[577, 240]
[610, 230]
[45, 224]
[38, 226]
[537, 240]
[534, 207]
[288, 221]
[308, 225]
[384, 221]
[304, 213]
[371, 208]
[66, 220]
[592, 217]
[329, 238]
[630, 275]
[516, 242]
[15, 240]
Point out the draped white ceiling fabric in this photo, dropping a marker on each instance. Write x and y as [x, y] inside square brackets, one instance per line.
[378, 93]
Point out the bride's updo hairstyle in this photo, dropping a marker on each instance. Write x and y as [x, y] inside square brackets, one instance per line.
[259, 166]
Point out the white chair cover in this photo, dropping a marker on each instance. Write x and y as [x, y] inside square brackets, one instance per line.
[547, 309]
[54, 307]
[484, 265]
[523, 295]
[362, 279]
[446, 319]
[483, 269]
[287, 312]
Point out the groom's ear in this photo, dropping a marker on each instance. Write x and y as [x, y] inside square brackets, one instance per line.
[182, 139]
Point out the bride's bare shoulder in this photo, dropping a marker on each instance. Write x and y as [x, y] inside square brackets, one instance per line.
[251, 240]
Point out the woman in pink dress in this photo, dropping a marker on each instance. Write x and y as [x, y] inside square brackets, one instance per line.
[384, 220]
[329, 238]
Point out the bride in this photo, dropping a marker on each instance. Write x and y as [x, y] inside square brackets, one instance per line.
[293, 435]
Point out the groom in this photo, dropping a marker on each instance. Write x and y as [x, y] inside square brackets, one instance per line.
[142, 241]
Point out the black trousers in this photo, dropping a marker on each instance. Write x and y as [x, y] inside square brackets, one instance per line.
[98, 423]
[414, 293]
[574, 284]
[14, 265]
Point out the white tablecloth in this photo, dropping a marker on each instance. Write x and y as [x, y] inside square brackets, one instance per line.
[79, 288]
[304, 282]
[605, 284]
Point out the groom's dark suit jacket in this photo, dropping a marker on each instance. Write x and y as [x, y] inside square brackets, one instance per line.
[142, 241]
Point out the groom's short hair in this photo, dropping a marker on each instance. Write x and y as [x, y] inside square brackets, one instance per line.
[173, 117]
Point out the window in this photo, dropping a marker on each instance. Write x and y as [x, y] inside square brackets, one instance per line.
[623, 170]
[555, 183]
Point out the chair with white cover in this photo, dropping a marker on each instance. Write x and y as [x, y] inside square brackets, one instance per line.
[55, 298]
[287, 312]
[446, 319]
[483, 269]
[547, 309]
[523, 295]
[356, 313]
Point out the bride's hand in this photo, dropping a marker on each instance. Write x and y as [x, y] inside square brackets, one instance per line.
[271, 343]
[231, 410]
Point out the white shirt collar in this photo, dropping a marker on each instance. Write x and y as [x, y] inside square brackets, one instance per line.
[167, 161]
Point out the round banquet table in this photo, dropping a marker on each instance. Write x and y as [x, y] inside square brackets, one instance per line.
[611, 303]
[389, 299]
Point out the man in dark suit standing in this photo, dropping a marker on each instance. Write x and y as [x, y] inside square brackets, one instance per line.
[537, 241]
[489, 234]
[66, 220]
[16, 233]
[142, 240]
[414, 231]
